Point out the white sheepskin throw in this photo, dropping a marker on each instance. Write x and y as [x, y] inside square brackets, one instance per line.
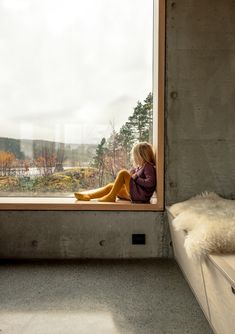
[210, 224]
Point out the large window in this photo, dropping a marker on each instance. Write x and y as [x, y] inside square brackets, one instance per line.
[76, 92]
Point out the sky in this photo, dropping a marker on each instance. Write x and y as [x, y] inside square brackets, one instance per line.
[71, 70]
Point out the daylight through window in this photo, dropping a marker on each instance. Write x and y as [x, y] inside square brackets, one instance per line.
[76, 92]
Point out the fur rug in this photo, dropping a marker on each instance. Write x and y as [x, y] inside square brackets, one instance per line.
[210, 224]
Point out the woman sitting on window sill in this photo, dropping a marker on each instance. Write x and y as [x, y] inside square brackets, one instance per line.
[136, 185]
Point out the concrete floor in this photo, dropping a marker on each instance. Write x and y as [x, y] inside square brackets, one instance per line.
[108, 297]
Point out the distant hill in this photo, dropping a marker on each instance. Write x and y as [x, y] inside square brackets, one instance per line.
[74, 154]
[11, 145]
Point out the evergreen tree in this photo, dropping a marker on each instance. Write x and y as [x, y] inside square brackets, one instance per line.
[114, 153]
[137, 121]
[99, 160]
[141, 120]
[126, 140]
[138, 128]
[148, 111]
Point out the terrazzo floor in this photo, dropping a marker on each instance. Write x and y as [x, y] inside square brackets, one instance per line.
[108, 297]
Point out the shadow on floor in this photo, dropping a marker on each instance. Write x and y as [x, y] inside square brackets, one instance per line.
[114, 296]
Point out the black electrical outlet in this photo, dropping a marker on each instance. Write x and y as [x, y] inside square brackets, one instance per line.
[138, 239]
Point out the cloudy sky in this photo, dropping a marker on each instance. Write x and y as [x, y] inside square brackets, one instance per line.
[70, 68]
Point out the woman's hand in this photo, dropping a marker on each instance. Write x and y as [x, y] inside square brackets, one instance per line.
[132, 171]
[134, 176]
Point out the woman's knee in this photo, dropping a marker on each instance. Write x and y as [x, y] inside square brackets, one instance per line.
[123, 172]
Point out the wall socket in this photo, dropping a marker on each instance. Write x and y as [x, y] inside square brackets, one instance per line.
[138, 239]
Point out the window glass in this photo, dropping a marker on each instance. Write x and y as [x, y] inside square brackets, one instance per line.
[76, 92]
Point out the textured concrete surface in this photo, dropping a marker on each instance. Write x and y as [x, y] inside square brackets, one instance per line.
[200, 98]
[199, 145]
[80, 234]
[108, 297]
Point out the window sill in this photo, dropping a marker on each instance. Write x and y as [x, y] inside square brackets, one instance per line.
[71, 204]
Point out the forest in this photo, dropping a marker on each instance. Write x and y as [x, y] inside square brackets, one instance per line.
[39, 167]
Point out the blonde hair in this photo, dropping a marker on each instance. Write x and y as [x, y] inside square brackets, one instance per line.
[142, 153]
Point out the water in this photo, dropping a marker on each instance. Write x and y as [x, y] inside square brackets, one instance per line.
[32, 171]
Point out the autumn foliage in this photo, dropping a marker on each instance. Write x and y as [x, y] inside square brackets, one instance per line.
[7, 160]
[45, 169]
[45, 164]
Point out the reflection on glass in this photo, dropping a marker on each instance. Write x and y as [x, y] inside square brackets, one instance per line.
[76, 83]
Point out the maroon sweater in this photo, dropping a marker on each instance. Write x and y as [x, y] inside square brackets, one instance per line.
[143, 187]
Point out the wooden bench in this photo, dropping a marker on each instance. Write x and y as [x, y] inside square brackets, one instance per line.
[212, 281]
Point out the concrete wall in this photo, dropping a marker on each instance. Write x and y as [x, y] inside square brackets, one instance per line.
[200, 146]
[200, 97]
[79, 234]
